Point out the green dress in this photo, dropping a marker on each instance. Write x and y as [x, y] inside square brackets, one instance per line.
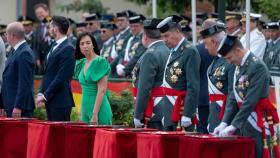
[97, 69]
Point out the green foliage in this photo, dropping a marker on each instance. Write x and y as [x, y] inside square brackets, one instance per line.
[85, 6]
[122, 108]
[269, 7]
[165, 7]
[41, 114]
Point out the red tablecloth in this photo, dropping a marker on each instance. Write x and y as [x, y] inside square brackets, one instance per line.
[47, 139]
[79, 140]
[206, 146]
[13, 138]
[158, 145]
[116, 143]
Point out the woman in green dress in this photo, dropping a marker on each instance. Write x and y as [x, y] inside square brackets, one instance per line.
[92, 73]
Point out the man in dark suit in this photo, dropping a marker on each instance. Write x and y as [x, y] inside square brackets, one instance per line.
[55, 90]
[17, 87]
[42, 40]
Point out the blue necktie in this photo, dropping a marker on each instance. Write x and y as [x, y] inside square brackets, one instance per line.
[51, 50]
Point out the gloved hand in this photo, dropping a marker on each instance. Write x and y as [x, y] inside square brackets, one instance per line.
[137, 123]
[120, 70]
[219, 128]
[228, 131]
[185, 121]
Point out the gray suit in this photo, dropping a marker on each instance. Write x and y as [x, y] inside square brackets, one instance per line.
[148, 74]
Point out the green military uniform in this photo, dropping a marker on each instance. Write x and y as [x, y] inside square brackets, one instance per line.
[135, 51]
[251, 83]
[182, 73]
[272, 54]
[148, 74]
[120, 45]
[97, 36]
[220, 79]
[107, 49]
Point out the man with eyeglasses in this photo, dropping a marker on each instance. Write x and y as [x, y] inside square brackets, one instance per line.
[107, 37]
[134, 48]
[121, 39]
[93, 26]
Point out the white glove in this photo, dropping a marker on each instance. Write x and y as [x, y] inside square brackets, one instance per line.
[120, 71]
[228, 131]
[137, 123]
[185, 121]
[218, 129]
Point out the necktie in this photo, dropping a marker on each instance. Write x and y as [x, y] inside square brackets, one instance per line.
[11, 52]
[51, 50]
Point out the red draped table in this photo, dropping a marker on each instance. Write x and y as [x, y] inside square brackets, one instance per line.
[13, 137]
[179, 145]
[158, 144]
[206, 146]
[116, 143]
[54, 139]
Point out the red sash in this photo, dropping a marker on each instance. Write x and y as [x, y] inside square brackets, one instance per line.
[264, 105]
[156, 92]
[219, 97]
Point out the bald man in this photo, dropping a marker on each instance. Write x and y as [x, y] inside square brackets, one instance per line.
[18, 75]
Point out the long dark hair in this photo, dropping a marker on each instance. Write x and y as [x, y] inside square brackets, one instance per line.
[78, 53]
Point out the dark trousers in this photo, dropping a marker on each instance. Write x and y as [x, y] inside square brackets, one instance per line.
[203, 113]
[59, 114]
[24, 113]
[155, 124]
[249, 131]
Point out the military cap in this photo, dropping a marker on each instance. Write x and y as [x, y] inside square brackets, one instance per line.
[227, 44]
[126, 13]
[107, 25]
[202, 15]
[233, 15]
[151, 23]
[107, 18]
[272, 25]
[253, 16]
[25, 20]
[214, 15]
[81, 24]
[213, 29]
[137, 19]
[168, 23]
[93, 16]
[186, 28]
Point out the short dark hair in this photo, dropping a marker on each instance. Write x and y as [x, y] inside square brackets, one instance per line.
[41, 5]
[78, 54]
[152, 33]
[237, 44]
[62, 23]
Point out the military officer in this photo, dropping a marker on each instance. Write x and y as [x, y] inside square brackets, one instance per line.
[80, 28]
[134, 48]
[272, 54]
[70, 34]
[121, 39]
[93, 26]
[181, 74]
[219, 73]
[28, 30]
[233, 24]
[107, 37]
[257, 39]
[148, 76]
[249, 98]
